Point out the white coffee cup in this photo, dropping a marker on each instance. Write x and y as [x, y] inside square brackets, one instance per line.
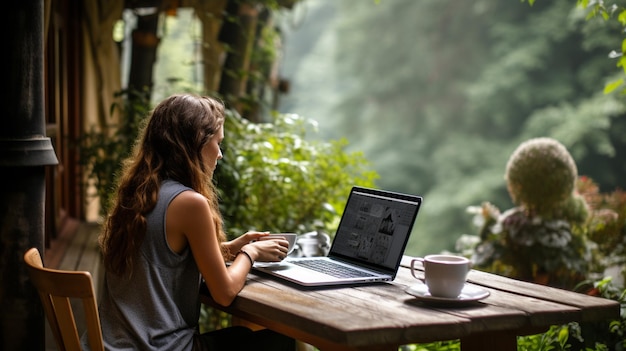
[290, 237]
[445, 275]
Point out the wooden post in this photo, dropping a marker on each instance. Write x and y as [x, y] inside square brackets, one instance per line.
[25, 152]
[239, 39]
[145, 44]
[210, 14]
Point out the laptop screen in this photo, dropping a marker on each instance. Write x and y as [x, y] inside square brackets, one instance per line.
[375, 227]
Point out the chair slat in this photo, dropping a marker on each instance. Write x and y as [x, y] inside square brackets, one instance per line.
[65, 319]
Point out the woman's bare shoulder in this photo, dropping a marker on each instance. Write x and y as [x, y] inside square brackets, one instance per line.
[187, 215]
[189, 202]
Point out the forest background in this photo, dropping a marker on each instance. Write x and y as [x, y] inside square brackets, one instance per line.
[438, 94]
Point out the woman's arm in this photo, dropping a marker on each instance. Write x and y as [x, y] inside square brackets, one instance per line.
[189, 221]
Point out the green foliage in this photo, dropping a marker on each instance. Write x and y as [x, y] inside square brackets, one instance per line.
[555, 339]
[583, 127]
[613, 15]
[606, 224]
[273, 178]
[612, 333]
[102, 149]
[608, 11]
[588, 337]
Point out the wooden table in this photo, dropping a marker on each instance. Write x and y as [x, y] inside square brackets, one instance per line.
[384, 316]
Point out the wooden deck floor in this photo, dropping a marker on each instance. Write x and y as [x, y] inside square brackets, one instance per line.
[76, 248]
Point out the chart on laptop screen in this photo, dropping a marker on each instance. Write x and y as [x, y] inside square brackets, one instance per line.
[374, 229]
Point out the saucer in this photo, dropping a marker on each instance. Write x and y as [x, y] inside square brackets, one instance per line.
[468, 294]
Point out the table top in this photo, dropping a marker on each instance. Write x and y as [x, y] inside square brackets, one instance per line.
[384, 315]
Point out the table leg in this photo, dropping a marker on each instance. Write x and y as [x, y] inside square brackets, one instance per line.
[501, 341]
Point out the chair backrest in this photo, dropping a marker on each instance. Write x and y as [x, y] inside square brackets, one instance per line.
[55, 288]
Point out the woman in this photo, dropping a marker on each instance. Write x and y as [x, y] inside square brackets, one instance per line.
[164, 233]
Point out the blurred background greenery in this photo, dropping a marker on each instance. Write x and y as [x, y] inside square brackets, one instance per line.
[437, 94]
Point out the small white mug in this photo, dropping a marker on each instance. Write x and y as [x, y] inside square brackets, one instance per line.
[445, 275]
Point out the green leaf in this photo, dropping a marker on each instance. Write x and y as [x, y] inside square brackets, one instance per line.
[622, 17]
[611, 86]
[563, 335]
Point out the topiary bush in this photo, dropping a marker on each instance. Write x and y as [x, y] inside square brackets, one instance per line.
[540, 175]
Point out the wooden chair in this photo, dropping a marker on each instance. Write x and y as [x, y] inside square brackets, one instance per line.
[55, 288]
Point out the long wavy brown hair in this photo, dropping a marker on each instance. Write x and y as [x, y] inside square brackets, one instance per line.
[169, 147]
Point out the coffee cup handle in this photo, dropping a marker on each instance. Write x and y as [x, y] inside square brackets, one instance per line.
[417, 259]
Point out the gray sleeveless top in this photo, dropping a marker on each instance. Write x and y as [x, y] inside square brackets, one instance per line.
[158, 307]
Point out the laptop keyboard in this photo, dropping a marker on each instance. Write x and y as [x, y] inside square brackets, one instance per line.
[335, 270]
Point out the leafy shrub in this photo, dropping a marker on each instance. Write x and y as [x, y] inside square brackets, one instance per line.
[606, 224]
[273, 178]
[602, 336]
[531, 248]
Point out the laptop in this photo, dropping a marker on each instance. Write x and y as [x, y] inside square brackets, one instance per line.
[367, 247]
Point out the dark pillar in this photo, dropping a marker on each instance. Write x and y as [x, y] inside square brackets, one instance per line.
[239, 36]
[24, 153]
[144, 52]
